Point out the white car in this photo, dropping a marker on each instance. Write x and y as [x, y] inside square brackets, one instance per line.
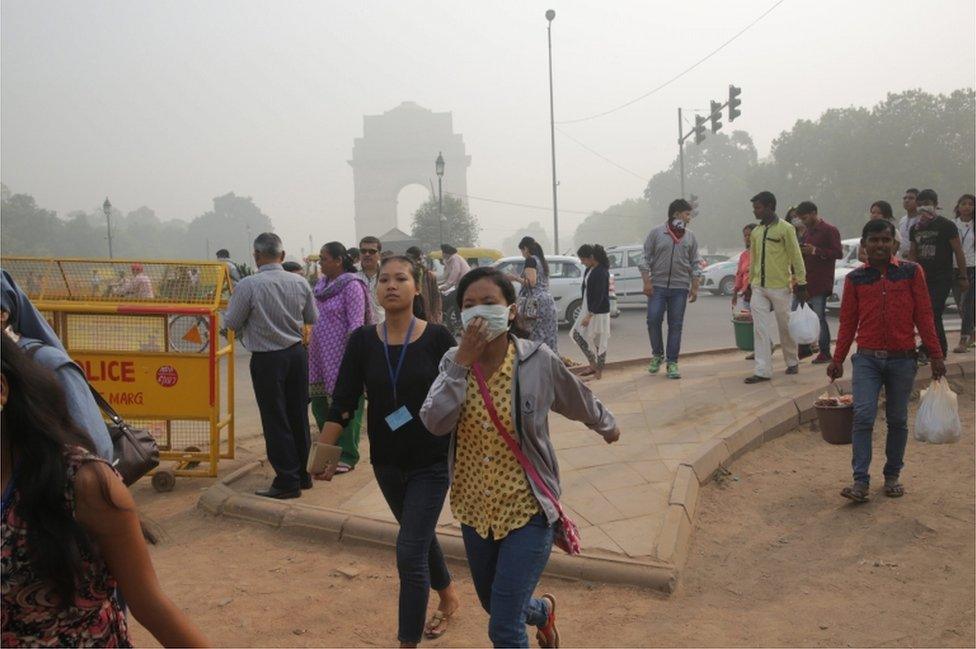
[845, 264]
[625, 271]
[565, 283]
[719, 278]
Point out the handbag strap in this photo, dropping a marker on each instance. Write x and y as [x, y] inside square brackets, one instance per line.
[509, 441]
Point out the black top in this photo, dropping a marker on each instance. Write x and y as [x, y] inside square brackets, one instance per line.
[933, 251]
[364, 365]
[596, 290]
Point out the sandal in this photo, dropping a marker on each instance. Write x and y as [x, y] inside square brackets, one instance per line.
[858, 492]
[548, 635]
[893, 488]
[437, 624]
[342, 467]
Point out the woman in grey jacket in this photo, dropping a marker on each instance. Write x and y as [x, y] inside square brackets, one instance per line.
[507, 523]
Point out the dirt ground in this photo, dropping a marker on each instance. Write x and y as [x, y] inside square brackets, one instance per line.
[778, 559]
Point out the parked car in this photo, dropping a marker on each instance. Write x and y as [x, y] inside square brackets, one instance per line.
[625, 272]
[719, 278]
[708, 260]
[565, 283]
[844, 265]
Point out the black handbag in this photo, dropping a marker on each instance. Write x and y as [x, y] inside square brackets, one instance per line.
[135, 450]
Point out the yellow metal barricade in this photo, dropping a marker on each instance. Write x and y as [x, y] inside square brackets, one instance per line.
[148, 337]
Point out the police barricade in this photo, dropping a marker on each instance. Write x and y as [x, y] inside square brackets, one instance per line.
[147, 335]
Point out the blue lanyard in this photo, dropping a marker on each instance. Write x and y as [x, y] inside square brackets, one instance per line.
[394, 376]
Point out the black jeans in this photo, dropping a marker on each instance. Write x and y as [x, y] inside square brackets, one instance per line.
[416, 499]
[939, 295]
[280, 380]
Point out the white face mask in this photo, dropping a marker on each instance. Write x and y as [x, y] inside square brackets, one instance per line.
[495, 315]
[678, 224]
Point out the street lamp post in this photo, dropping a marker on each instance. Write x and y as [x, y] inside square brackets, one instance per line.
[550, 14]
[439, 168]
[107, 209]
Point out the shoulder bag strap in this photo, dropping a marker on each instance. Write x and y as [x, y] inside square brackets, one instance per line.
[511, 443]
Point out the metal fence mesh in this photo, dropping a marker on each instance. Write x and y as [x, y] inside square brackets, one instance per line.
[139, 282]
[181, 435]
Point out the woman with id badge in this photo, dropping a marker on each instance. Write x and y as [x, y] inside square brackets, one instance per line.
[396, 363]
[492, 390]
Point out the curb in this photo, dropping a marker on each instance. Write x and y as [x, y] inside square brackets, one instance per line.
[733, 442]
[333, 526]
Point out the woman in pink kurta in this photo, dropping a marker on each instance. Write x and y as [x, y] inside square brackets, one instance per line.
[343, 302]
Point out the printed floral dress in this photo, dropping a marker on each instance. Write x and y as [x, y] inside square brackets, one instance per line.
[31, 616]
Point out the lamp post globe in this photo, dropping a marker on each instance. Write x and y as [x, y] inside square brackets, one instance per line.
[439, 170]
[550, 14]
[107, 210]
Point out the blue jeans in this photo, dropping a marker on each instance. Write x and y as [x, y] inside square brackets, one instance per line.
[416, 499]
[674, 301]
[897, 375]
[505, 574]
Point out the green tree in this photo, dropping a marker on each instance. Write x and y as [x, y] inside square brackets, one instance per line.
[534, 230]
[623, 223]
[458, 228]
[25, 228]
[233, 223]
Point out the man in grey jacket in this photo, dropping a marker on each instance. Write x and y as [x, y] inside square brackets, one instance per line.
[671, 273]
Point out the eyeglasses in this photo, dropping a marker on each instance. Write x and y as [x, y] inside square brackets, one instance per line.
[368, 251]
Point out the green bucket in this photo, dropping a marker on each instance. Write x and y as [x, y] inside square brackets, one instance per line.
[743, 336]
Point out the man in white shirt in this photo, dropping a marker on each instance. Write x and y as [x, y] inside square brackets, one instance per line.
[369, 256]
[910, 202]
[455, 267]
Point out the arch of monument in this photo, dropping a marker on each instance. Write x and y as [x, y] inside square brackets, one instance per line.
[398, 148]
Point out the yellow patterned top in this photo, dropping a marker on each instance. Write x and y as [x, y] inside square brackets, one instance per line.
[490, 491]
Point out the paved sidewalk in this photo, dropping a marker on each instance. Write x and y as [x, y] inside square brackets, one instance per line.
[619, 494]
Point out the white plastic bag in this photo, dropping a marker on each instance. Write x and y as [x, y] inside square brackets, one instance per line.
[804, 325]
[937, 421]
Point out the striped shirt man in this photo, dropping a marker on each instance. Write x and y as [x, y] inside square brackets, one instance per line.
[268, 309]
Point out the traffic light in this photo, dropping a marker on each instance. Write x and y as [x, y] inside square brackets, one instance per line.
[734, 102]
[699, 129]
[716, 116]
[694, 205]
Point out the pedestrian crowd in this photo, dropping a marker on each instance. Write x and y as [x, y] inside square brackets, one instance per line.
[464, 421]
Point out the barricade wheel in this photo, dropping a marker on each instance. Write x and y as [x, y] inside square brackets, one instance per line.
[193, 463]
[163, 480]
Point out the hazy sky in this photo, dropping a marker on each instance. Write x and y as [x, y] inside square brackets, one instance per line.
[170, 103]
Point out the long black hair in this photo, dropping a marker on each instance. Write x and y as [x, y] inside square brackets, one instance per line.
[961, 199]
[601, 256]
[338, 251]
[885, 208]
[38, 427]
[530, 244]
[498, 278]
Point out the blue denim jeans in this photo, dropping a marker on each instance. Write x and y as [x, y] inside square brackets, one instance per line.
[673, 301]
[416, 499]
[505, 574]
[896, 375]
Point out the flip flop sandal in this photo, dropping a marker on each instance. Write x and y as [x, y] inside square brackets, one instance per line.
[437, 625]
[894, 489]
[858, 492]
[548, 635]
[343, 468]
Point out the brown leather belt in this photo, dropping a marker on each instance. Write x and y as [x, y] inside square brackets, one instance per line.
[883, 353]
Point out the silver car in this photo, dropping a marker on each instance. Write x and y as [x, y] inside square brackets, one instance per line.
[565, 283]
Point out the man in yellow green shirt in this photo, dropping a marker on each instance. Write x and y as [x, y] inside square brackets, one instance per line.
[775, 264]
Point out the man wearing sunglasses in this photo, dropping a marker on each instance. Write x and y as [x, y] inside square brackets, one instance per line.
[369, 260]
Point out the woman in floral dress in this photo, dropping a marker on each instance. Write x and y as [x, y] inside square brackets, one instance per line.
[71, 538]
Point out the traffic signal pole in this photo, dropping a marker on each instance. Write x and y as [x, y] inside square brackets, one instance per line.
[714, 116]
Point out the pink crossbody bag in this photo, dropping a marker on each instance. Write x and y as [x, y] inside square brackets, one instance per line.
[567, 535]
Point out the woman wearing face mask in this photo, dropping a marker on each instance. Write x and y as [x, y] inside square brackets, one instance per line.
[592, 329]
[71, 535]
[965, 299]
[507, 518]
[342, 299]
[535, 297]
[396, 363]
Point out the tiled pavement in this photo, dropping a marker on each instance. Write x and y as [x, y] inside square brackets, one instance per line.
[618, 494]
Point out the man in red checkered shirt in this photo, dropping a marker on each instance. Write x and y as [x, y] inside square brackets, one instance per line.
[885, 301]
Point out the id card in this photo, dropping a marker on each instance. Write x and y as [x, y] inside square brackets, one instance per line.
[399, 418]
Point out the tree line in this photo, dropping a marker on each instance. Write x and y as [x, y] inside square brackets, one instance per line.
[843, 161]
[28, 229]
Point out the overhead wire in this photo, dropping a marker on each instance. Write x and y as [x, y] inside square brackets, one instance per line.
[602, 157]
[680, 74]
[525, 205]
